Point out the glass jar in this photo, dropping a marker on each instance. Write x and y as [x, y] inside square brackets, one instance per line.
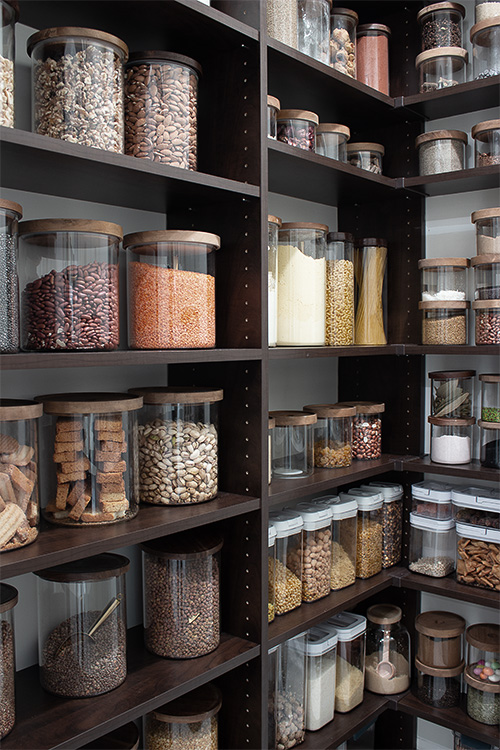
[181, 594]
[271, 426]
[332, 434]
[452, 393]
[487, 222]
[440, 688]
[444, 323]
[271, 567]
[343, 23]
[316, 552]
[287, 573]
[392, 521]
[441, 25]
[282, 21]
[331, 140]
[273, 223]
[273, 107]
[486, 276]
[451, 440]
[351, 645]
[485, 39]
[339, 296]
[463, 742]
[77, 86]
[441, 151]
[478, 549]
[8, 600]
[82, 626]
[483, 652]
[92, 442]
[443, 279]
[301, 284]
[10, 213]
[370, 264]
[125, 737]
[432, 500]
[366, 156]
[369, 531]
[440, 639]
[297, 127]
[441, 68]
[372, 58]
[272, 674]
[321, 657]
[477, 506]
[490, 397]
[387, 669]
[187, 722]
[292, 444]
[490, 444]
[487, 324]
[68, 271]
[432, 546]
[171, 289]
[10, 16]
[314, 29]
[487, 143]
[483, 701]
[19, 504]
[486, 9]
[288, 696]
[367, 429]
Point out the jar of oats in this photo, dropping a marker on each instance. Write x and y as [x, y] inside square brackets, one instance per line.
[10, 15]
[187, 723]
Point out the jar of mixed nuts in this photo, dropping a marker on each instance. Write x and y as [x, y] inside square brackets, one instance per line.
[273, 107]
[487, 222]
[452, 393]
[441, 151]
[369, 531]
[10, 16]
[490, 397]
[487, 143]
[367, 429]
[8, 600]
[485, 39]
[10, 214]
[314, 29]
[344, 516]
[366, 156]
[287, 572]
[271, 566]
[332, 434]
[441, 68]
[343, 23]
[331, 140]
[444, 323]
[443, 279]
[392, 521]
[440, 639]
[441, 25]
[187, 722]
[451, 440]
[487, 313]
[339, 297]
[490, 444]
[486, 276]
[316, 553]
[292, 444]
[432, 546]
[273, 223]
[297, 127]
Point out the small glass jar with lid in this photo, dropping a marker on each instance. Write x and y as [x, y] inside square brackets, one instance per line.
[344, 520]
[441, 151]
[273, 107]
[441, 25]
[316, 553]
[339, 296]
[477, 506]
[10, 214]
[288, 692]
[487, 143]
[321, 656]
[10, 16]
[332, 434]
[367, 429]
[388, 664]
[314, 29]
[452, 393]
[487, 222]
[370, 258]
[432, 546]
[125, 737]
[485, 39]
[443, 279]
[351, 645]
[367, 156]
[82, 626]
[343, 24]
[451, 440]
[187, 722]
[282, 21]
[483, 700]
[490, 444]
[8, 600]
[487, 321]
[439, 688]
[331, 139]
[478, 548]
[486, 276]
[490, 397]
[432, 500]
[444, 323]
[287, 573]
[483, 652]
[392, 521]
[273, 223]
[372, 56]
[297, 127]
[369, 531]
[440, 639]
[441, 68]
[271, 566]
[486, 9]
[292, 444]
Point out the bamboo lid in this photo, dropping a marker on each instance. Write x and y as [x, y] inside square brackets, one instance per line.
[187, 545]
[485, 687]
[272, 101]
[485, 213]
[459, 55]
[440, 624]
[365, 28]
[12, 409]
[384, 614]
[340, 237]
[11, 206]
[482, 25]
[200, 704]
[151, 56]
[304, 225]
[97, 568]
[8, 597]
[450, 305]
[438, 262]
[485, 260]
[371, 242]
[274, 220]
[439, 671]
[486, 304]
[333, 127]
[187, 241]
[365, 146]
[489, 377]
[331, 410]
[293, 418]
[436, 7]
[488, 425]
[271, 423]
[451, 374]
[439, 135]
[123, 738]
[70, 225]
[78, 32]
[178, 394]
[451, 422]
[298, 114]
[345, 12]
[88, 403]
[484, 636]
[479, 131]
[365, 407]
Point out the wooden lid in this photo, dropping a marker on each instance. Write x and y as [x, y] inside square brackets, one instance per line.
[304, 225]
[437, 262]
[187, 545]
[88, 403]
[273, 102]
[177, 394]
[485, 260]
[476, 682]
[345, 12]
[452, 374]
[293, 418]
[436, 7]
[371, 242]
[485, 213]
[11, 206]
[340, 237]
[451, 422]
[365, 407]
[450, 305]
[200, 704]
[365, 28]
[274, 220]
[438, 135]
[271, 423]
[484, 636]
[482, 128]
[75, 31]
[482, 25]
[440, 624]
[488, 425]
[365, 146]
[486, 304]
[191, 241]
[8, 597]
[71, 225]
[458, 53]
[97, 568]
[489, 377]
[152, 56]
[12, 409]
[298, 114]
[123, 738]
[333, 127]
[439, 671]
[331, 410]
[384, 614]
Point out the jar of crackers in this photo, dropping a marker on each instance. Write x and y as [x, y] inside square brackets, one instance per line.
[19, 507]
[92, 440]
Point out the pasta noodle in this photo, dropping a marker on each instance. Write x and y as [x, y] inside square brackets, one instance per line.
[370, 265]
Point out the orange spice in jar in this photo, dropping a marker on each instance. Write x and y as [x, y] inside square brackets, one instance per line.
[372, 50]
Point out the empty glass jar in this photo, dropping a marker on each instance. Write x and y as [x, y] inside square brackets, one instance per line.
[273, 107]
[490, 397]
[486, 276]
[441, 25]
[331, 140]
[432, 546]
[8, 600]
[10, 16]
[343, 23]
[188, 722]
[297, 127]
[314, 29]
[274, 223]
[388, 665]
[441, 151]
[351, 645]
[292, 444]
[490, 444]
[366, 156]
[443, 279]
[440, 639]
[444, 323]
[485, 39]
[441, 68]
[372, 56]
[487, 323]
[451, 440]
[487, 143]
[487, 222]
[287, 573]
[10, 214]
[339, 297]
[452, 393]
[332, 434]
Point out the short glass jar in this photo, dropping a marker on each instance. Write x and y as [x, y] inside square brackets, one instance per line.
[370, 261]
[367, 156]
[432, 546]
[485, 39]
[331, 139]
[441, 25]
[282, 21]
[477, 506]
[273, 107]
[487, 143]
[273, 223]
[10, 16]
[77, 86]
[490, 397]
[486, 276]
[292, 444]
[487, 222]
[271, 567]
[351, 646]
[321, 657]
[441, 68]
[483, 652]
[478, 549]
[332, 434]
[8, 600]
[316, 553]
[344, 523]
[490, 444]
[178, 444]
[440, 688]
[444, 323]
[297, 127]
[443, 279]
[388, 664]
[440, 639]
[441, 151]
[19, 505]
[483, 701]
[287, 573]
[486, 9]
[187, 722]
[372, 56]
[432, 500]
[301, 284]
[392, 521]
[343, 24]
[163, 88]
[288, 691]
[10, 214]
[487, 323]
[339, 296]
[182, 594]
[367, 429]
[314, 29]
[369, 531]
[92, 442]
[69, 279]
[451, 440]
[452, 393]
[82, 626]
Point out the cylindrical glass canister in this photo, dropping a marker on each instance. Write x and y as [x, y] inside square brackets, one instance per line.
[10, 15]
[282, 21]
[271, 567]
[486, 276]
[486, 9]
[452, 393]
[316, 553]
[10, 214]
[344, 521]
[178, 444]
[441, 151]
[272, 425]
[440, 639]
[490, 397]
[444, 323]
[392, 521]
[8, 600]
[477, 550]
[485, 39]
[388, 657]
[19, 503]
[331, 139]
[483, 651]
[314, 29]
[287, 571]
[332, 434]
[439, 688]
[451, 440]
[366, 156]
[370, 272]
[125, 737]
[339, 296]
[351, 647]
[69, 279]
[190, 721]
[171, 289]
[273, 107]
[182, 594]
[273, 223]
[483, 701]
[367, 429]
[301, 284]
[443, 279]
[441, 25]
[372, 56]
[369, 531]
[490, 444]
[432, 546]
[487, 143]
[82, 626]
[441, 68]
[487, 222]
[91, 458]
[161, 108]
[321, 657]
[297, 127]
[289, 700]
[78, 86]
[292, 444]
[487, 314]
[343, 23]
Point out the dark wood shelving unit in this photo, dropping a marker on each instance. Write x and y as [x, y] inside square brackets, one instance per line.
[451, 349]
[455, 100]
[312, 352]
[473, 470]
[450, 588]
[462, 181]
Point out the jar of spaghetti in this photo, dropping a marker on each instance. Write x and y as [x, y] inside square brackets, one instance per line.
[370, 263]
[372, 60]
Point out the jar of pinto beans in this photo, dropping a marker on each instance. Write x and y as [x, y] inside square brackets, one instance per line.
[367, 429]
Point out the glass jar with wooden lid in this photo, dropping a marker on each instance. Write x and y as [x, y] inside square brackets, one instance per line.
[439, 688]
[343, 24]
[297, 127]
[490, 397]
[190, 721]
[483, 652]
[485, 39]
[10, 16]
[486, 276]
[273, 107]
[292, 444]
[452, 393]
[441, 25]
[441, 68]
[388, 665]
[444, 323]
[441, 151]
[487, 223]
[8, 600]
[451, 440]
[490, 444]
[332, 434]
[372, 56]
[366, 156]
[487, 143]
[440, 639]
[331, 139]
[367, 429]
[10, 215]
[443, 279]
[487, 321]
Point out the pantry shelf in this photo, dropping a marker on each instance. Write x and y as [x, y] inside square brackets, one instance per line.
[474, 470]
[455, 100]
[311, 352]
[450, 588]
[491, 349]
[461, 181]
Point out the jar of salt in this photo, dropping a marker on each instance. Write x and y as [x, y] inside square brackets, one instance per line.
[451, 440]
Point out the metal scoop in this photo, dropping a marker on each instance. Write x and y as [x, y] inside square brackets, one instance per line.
[386, 668]
[79, 634]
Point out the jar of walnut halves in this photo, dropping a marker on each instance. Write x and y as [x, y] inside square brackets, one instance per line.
[478, 556]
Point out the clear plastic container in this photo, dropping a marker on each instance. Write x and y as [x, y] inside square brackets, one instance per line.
[441, 151]
[68, 273]
[432, 500]
[490, 444]
[82, 626]
[487, 222]
[321, 656]
[478, 506]
[297, 127]
[339, 298]
[314, 29]
[483, 701]
[287, 574]
[369, 531]
[441, 68]
[490, 397]
[485, 39]
[351, 645]
[331, 139]
[452, 393]
[125, 737]
[271, 566]
[188, 722]
[463, 742]
[440, 639]
[367, 429]
[439, 688]
[10, 16]
[366, 156]
[10, 214]
[487, 143]
[478, 550]
[372, 56]
[483, 652]
[332, 434]
[182, 594]
[443, 279]
[272, 674]
[392, 521]
[388, 662]
[316, 553]
[432, 546]
[292, 444]
[8, 600]
[282, 21]
[343, 24]
[273, 223]
[78, 86]
[486, 276]
[486, 9]
[178, 444]
[344, 521]
[451, 440]
[487, 321]
[273, 107]
[444, 323]
[370, 270]
[19, 503]
[301, 284]
[441, 25]
[161, 108]
[288, 692]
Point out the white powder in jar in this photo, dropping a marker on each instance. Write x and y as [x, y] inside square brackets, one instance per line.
[451, 449]
[487, 10]
[443, 294]
[301, 298]
[272, 312]
[320, 691]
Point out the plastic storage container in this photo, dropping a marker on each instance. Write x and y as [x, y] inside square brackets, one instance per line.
[483, 652]
[369, 531]
[274, 223]
[187, 722]
[321, 656]
[301, 284]
[387, 669]
[292, 444]
[10, 213]
[282, 21]
[439, 688]
[478, 551]
[392, 521]
[297, 127]
[441, 25]
[8, 600]
[331, 139]
[367, 429]
[477, 506]
[370, 270]
[82, 626]
[483, 701]
[343, 24]
[486, 9]
[314, 29]
[485, 39]
[490, 444]
[273, 107]
[351, 645]
[432, 500]
[287, 692]
[441, 68]
[490, 397]
[444, 323]
[171, 289]
[487, 143]
[487, 321]
[332, 434]
[339, 297]
[92, 440]
[451, 440]
[68, 271]
[486, 276]
[441, 151]
[19, 503]
[78, 86]
[125, 737]
[10, 15]
[344, 521]
[432, 546]
[443, 279]
[372, 58]
[316, 553]
[287, 574]
[271, 566]
[440, 639]
[161, 108]
[487, 223]
[452, 393]
[366, 156]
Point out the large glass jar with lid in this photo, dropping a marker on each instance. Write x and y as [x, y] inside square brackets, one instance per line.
[331, 139]
[440, 639]
[490, 397]
[343, 23]
[485, 38]
[10, 214]
[274, 223]
[10, 15]
[443, 279]
[441, 25]
[441, 68]
[339, 296]
[332, 434]
[186, 722]
[388, 660]
[370, 267]
[452, 393]
[372, 56]
[8, 600]
[483, 671]
[292, 444]
[314, 29]
[486, 276]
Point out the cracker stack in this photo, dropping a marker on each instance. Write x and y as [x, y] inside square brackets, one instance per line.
[18, 498]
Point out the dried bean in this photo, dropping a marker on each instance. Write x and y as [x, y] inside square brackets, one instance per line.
[488, 326]
[6, 92]
[316, 556]
[367, 438]
[7, 672]
[392, 525]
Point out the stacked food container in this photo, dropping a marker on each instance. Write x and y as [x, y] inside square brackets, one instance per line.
[451, 419]
[439, 660]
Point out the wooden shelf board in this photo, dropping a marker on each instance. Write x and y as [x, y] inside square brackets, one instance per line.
[463, 350]
[311, 352]
[461, 181]
[473, 470]
[456, 100]
[344, 726]
[448, 587]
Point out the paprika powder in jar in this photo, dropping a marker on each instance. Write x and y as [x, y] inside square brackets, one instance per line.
[372, 44]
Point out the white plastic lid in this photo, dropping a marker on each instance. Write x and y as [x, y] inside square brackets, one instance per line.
[438, 492]
[389, 490]
[367, 498]
[348, 625]
[327, 499]
[286, 522]
[479, 532]
[480, 498]
[431, 524]
[271, 535]
[314, 516]
[320, 641]
[347, 507]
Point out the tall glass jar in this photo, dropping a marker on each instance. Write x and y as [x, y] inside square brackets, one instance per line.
[452, 393]
[331, 139]
[282, 21]
[388, 661]
[490, 444]
[314, 29]
[372, 56]
[316, 553]
[441, 68]
[321, 657]
[82, 626]
[486, 276]
[271, 567]
[292, 444]
[370, 270]
[187, 722]
[343, 23]
[369, 531]
[432, 546]
[332, 434]
[10, 214]
[487, 321]
[273, 223]
[273, 107]
[487, 223]
[10, 16]
[78, 86]
[351, 646]
[441, 25]
[487, 143]
[287, 572]
[8, 600]
[444, 323]
[443, 279]
[490, 397]
[485, 39]
[339, 297]
[289, 692]
[301, 284]
[392, 521]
